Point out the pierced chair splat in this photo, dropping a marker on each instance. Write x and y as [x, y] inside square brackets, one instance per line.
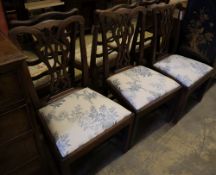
[74, 120]
[33, 48]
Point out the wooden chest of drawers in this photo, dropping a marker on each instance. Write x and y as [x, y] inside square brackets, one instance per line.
[20, 151]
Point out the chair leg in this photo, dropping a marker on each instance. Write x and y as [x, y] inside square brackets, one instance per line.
[127, 143]
[180, 106]
[171, 113]
[203, 89]
[134, 130]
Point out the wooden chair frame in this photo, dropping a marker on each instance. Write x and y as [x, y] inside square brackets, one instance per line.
[96, 70]
[162, 50]
[124, 55]
[25, 41]
[61, 83]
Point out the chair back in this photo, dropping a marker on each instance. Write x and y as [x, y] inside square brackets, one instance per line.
[53, 42]
[117, 29]
[148, 40]
[163, 26]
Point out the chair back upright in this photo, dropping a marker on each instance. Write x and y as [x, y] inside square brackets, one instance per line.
[117, 29]
[164, 38]
[53, 43]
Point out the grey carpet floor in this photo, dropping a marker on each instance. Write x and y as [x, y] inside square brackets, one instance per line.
[187, 148]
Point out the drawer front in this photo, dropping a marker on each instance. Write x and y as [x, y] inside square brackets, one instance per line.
[32, 168]
[14, 123]
[10, 89]
[17, 153]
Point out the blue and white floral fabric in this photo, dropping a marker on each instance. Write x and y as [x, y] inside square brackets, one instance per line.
[141, 85]
[185, 70]
[79, 117]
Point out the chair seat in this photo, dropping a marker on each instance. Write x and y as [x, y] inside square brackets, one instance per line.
[40, 68]
[185, 70]
[141, 85]
[79, 117]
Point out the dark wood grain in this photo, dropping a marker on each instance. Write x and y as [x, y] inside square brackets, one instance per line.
[56, 40]
[167, 23]
[113, 20]
[113, 31]
[9, 52]
[19, 138]
[53, 42]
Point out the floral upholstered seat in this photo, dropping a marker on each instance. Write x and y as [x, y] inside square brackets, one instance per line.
[141, 85]
[187, 71]
[79, 117]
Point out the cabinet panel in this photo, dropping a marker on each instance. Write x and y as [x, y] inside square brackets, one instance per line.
[21, 149]
[10, 90]
[14, 123]
[17, 153]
